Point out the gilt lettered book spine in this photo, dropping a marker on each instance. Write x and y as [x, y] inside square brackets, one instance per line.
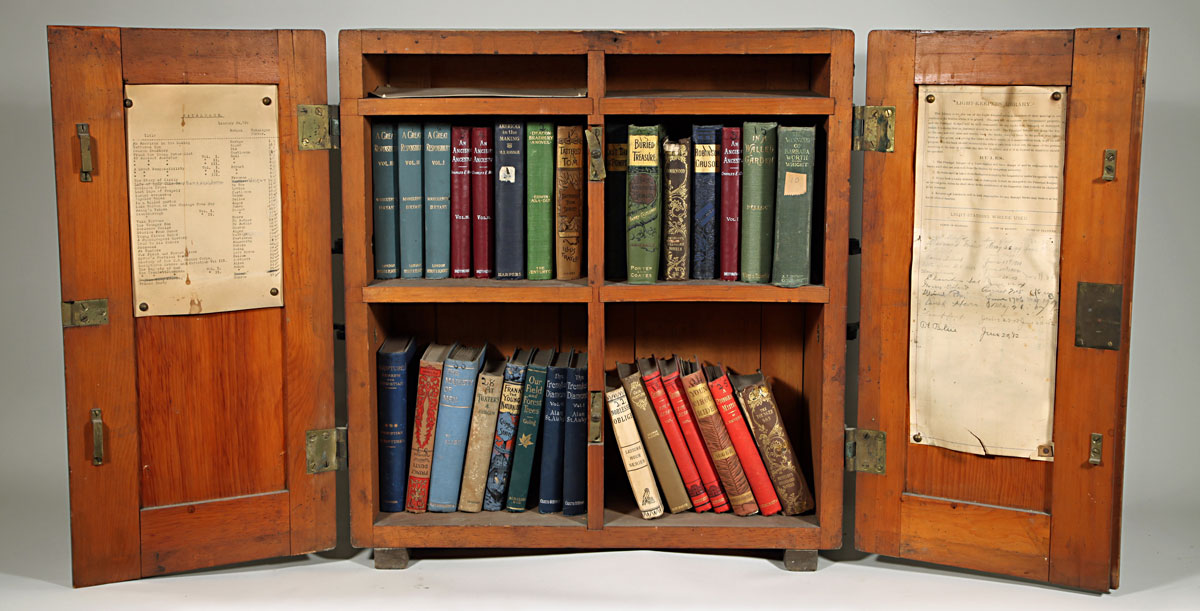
[539, 191]
[510, 201]
[656, 445]
[670, 429]
[673, 385]
[550, 492]
[483, 432]
[437, 200]
[616, 162]
[705, 194]
[743, 443]
[420, 463]
[459, 375]
[731, 201]
[766, 423]
[568, 203]
[500, 464]
[716, 439]
[482, 202]
[633, 454]
[411, 191]
[794, 207]
[643, 209]
[383, 174]
[574, 484]
[677, 209]
[460, 202]
[528, 428]
[758, 200]
[394, 391]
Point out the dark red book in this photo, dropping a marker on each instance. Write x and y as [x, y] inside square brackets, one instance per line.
[673, 386]
[482, 201]
[429, 389]
[743, 443]
[460, 202]
[670, 429]
[731, 200]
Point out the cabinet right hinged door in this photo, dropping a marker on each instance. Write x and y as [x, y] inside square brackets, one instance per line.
[997, 243]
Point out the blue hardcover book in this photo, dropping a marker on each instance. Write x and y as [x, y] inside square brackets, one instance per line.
[528, 428]
[453, 421]
[410, 190]
[706, 140]
[383, 173]
[396, 393]
[550, 490]
[437, 200]
[574, 471]
[496, 490]
[510, 201]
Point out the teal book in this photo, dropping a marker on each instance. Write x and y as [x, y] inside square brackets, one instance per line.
[758, 200]
[528, 425]
[794, 207]
[410, 190]
[383, 193]
[459, 375]
[643, 203]
[437, 200]
[539, 202]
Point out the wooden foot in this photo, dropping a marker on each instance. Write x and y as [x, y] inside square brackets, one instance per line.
[793, 559]
[395, 558]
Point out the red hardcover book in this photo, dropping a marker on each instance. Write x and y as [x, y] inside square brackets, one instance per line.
[731, 200]
[482, 201]
[429, 389]
[743, 443]
[670, 429]
[460, 202]
[673, 386]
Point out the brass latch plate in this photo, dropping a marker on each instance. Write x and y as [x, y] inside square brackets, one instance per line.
[318, 127]
[596, 418]
[325, 449]
[84, 313]
[874, 129]
[866, 451]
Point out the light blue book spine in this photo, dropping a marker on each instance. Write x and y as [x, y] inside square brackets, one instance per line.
[453, 424]
[437, 200]
[410, 190]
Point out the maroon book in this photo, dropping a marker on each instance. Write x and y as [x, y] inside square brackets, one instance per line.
[731, 200]
[481, 200]
[460, 202]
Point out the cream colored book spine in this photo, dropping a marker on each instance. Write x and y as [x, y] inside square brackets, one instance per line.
[633, 454]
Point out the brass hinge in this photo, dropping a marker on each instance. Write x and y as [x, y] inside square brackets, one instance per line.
[874, 129]
[318, 127]
[84, 313]
[596, 418]
[325, 449]
[866, 451]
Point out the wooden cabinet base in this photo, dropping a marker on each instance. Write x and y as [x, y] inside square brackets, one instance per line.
[391, 558]
[800, 560]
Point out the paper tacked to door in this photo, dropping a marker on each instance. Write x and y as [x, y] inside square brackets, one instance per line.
[984, 293]
[204, 198]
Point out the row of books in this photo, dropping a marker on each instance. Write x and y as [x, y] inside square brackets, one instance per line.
[486, 433]
[446, 206]
[712, 439]
[743, 192]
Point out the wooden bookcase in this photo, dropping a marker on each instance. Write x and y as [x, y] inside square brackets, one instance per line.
[797, 336]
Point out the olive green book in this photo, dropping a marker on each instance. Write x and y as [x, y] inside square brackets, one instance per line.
[794, 207]
[643, 203]
[758, 200]
[539, 210]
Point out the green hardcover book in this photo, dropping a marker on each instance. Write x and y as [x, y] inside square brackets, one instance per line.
[794, 207]
[525, 449]
[539, 193]
[758, 200]
[643, 203]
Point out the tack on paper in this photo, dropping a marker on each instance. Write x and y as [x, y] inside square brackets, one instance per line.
[984, 300]
[204, 198]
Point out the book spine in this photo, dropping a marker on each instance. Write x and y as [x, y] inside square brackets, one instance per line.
[633, 455]
[776, 449]
[500, 465]
[410, 189]
[437, 200]
[568, 203]
[652, 437]
[392, 372]
[743, 443]
[383, 174]
[429, 382]
[731, 200]
[479, 444]
[643, 222]
[527, 438]
[706, 140]
[758, 200]
[450, 440]
[460, 202]
[550, 491]
[794, 207]
[616, 162]
[510, 201]
[679, 449]
[539, 189]
[691, 434]
[574, 480]
[481, 201]
[716, 439]
[677, 209]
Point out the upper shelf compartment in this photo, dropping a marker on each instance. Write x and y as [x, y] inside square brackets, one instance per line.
[474, 75]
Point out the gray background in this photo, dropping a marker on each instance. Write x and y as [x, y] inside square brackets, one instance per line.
[1161, 496]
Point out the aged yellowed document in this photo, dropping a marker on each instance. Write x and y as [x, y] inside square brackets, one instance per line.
[204, 198]
[984, 291]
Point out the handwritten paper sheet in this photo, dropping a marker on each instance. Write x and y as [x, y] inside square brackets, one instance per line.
[984, 291]
[204, 198]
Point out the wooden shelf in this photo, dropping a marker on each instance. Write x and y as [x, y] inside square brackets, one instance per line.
[716, 103]
[476, 290]
[482, 529]
[711, 290]
[623, 523]
[368, 107]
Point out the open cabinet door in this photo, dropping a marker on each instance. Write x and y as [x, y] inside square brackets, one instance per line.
[1053, 517]
[186, 434]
